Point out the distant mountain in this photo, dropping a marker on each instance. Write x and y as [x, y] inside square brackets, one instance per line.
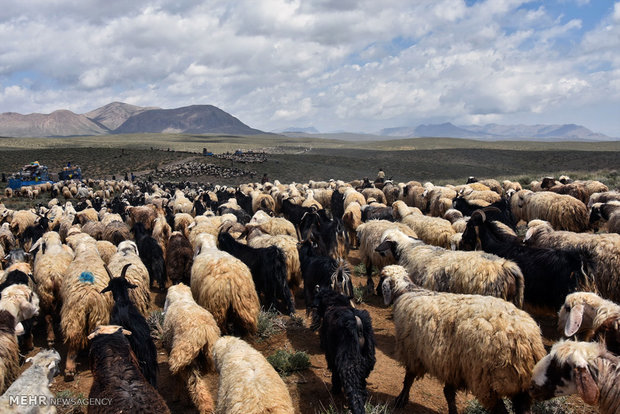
[59, 123]
[497, 132]
[195, 119]
[115, 114]
[122, 118]
[306, 130]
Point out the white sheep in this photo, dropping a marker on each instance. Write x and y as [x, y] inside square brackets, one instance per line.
[223, 285]
[479, 343]
[563, 212]
[248, 384]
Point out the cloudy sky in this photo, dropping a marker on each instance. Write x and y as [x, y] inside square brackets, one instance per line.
[355, 65]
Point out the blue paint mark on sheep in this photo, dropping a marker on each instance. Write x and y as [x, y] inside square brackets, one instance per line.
[87, 277]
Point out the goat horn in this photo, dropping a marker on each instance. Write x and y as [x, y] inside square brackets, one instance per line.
[492, 210]
[481, 214]
[125, 270]
[107, 269]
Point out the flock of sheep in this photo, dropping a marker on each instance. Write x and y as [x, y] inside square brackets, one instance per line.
[465, 288]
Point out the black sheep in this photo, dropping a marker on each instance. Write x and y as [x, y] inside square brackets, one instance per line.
[370, 212]
[322, 271]
[268, 268]
[35, 232]
[497, 211]
[337, 204]
[151, 255]
[116, 376]
[348, 340]
[549, 274]
[125, 314]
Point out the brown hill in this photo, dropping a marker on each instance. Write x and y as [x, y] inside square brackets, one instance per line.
[115, 114]
[58, 123]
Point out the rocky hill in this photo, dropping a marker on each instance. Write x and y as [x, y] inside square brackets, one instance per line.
[115, 114]
[59, 123]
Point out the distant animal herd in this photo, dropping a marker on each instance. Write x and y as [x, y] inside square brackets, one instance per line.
[467, 269]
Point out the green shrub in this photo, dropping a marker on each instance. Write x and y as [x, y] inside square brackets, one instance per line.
[287, 362]
[270, 322]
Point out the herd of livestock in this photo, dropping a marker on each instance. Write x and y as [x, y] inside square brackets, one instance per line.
[467, 268]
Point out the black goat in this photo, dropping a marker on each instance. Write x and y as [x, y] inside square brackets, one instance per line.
[293, 212]
[116, 376]
[151, 255]
[322, 271]
[348, 340]
[179, 259]
[35, 232]
[337, 204]
[549, 274]
[244, 201]
[268, 268]
[199, 208]
[242, 216]
[125, 314]
[329, 235]
[502, 214]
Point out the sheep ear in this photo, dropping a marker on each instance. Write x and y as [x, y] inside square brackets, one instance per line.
[384, 246]
[573, 322]
[36, 245]
[387, 291]
[586, 386]
[105, 289]
[124, 271]
[19, 329]
[126, 332]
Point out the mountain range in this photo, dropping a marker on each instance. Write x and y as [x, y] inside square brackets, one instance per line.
[122, 118]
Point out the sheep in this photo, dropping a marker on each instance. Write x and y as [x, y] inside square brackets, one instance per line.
[268, 268]
[262, 201]
[248, 384]
[271, 225]
[126, 314]
[479, 343]
[310, 201]
[375, 193]
[223, 285]
[50, 267]
[138, 275]
[117, 377]
[352, 218]
[549, 274]
[587, 314]
[582, 368]
[7, 239]
[151, 255]
[34, 381]
[142, 214]
[21, 220]
[189, 334]
[106, 250]
[562, 211]
[503, 215]
[347, 338]
[608, 212]
[9, 350]
[431, 230]
[179, 258]
[86, 215]
[444, 270]
[23, 304]
[400, 210]
[601, 250]
[288, 245]
[369, 235]
[83, 307]
[115, 232]
[508, 185]
[603, 197]
[351, 195]
[161, 232]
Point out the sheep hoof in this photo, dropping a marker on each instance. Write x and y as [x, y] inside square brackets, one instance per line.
[400, 401]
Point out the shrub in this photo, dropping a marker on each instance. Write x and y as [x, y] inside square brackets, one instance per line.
[287, 362]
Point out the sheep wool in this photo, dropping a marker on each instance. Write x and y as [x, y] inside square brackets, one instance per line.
[248, 384]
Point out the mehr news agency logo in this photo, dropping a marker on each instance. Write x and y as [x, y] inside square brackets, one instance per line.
[43, 400]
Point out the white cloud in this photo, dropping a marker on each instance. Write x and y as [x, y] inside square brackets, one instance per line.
[356, 65]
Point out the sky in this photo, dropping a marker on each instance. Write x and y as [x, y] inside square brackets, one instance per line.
[336, 65]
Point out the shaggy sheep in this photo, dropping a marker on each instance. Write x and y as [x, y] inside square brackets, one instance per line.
[22, 219]
[9, 350]
[352, 219]
[83, 307]
[50, 267]
[369, 235]
[115, 232]
[602, 251]
[431, 230]
[248, 384]
[589, 315]
[444, 270]
[603, 197]
[351, 195]
[223, 285]
[479, 343]
[34, 381]
[117, 377]
[609, 213]
[189, 333]
[582, 368]
[19, 299]
[562, 211]
[288, 245]
[106, 250]
[271, 225]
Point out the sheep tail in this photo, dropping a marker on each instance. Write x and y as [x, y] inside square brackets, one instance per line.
[199, 391]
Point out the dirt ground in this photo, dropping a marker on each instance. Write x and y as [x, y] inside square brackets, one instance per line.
[310, 389]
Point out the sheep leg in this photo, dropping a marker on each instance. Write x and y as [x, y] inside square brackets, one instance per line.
[500, 407]
[70, 365]
[450, 393]
[521, 403]
[51, 336]
[370, 285]
[403, 397]
[336, 384]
